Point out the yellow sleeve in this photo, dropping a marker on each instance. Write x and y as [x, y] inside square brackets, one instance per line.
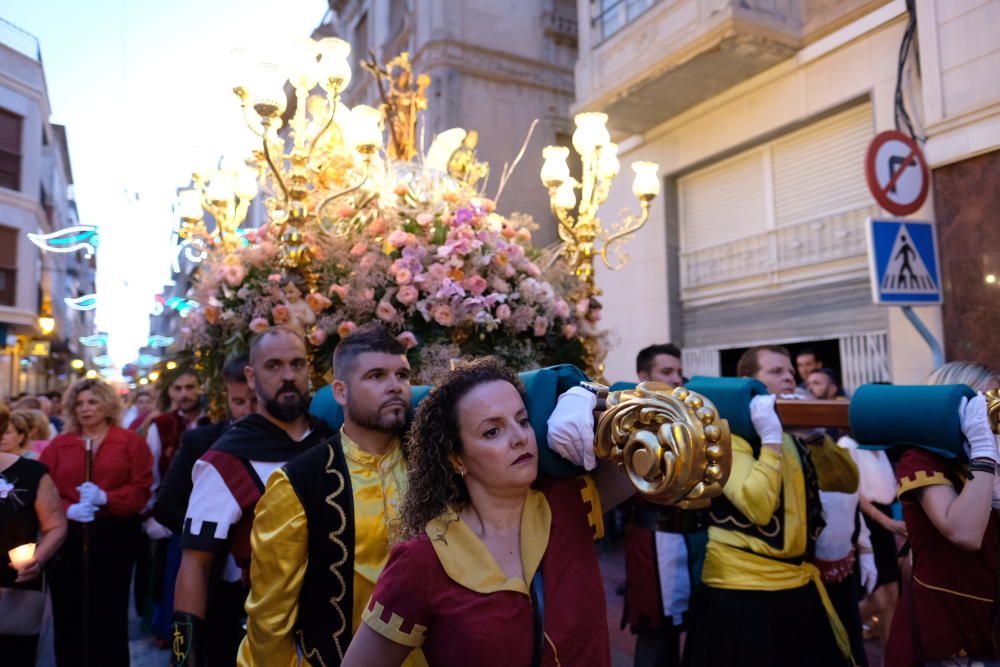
[280, 543]
[835, 468]
[754, 485]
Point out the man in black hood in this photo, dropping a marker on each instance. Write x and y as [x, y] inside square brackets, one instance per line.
[230, 478]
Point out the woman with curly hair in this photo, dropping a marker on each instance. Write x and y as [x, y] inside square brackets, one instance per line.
[109, 502]
[498, 567]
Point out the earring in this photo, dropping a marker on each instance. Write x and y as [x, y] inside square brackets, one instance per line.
[462, 472]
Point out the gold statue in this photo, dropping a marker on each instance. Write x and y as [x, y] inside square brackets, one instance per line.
[671, 442]
[463, 165]
[401, 103]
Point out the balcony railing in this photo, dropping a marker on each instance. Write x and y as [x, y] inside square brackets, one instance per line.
[561, 25]
[811, 243]
[20, 40]
[613, 15]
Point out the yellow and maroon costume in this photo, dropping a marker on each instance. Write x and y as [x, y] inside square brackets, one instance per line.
[953, 591]
[444, 592]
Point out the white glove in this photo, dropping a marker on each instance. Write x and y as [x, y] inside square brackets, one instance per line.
[92, 494]
[571, 427]
[976, 428]
[156, 530]
[765, 419]
[82, 512]
[869, 573]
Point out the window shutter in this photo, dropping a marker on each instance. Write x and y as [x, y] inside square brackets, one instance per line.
[723, 203]
[819, 170]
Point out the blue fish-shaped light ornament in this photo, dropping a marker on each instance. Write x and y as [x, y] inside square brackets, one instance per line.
[85, 302]
[71, 239]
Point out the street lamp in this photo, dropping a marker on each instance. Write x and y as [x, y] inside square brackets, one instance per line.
[77, 364]
[46, 323]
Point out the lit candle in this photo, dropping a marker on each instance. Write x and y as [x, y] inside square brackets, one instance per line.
[22, 555]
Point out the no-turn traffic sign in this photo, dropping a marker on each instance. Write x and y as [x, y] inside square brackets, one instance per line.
[897, 173]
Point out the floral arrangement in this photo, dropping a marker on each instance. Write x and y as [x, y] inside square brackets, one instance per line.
[437, 264]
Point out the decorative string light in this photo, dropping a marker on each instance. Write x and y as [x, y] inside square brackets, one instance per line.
[85, 302]
[71, 239]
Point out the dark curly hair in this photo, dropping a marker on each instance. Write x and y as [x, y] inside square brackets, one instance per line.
[434, 485]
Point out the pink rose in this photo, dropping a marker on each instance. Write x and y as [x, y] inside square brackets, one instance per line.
[408, 339]
[397, 238]
[500, 285]
[359, 249]
[346, 211]
[569, 330]
[523, 235]
[541, 326]
[437, 271]
[368, 261]
[503, 312]
[582, 306]
[385, 311]
[508, 232]
[345, 328]
[532, 269]
[251, 235]
[368, 293]
[280, 314]
[263, 231]
[476, 285]
[443, 314]
[404, 276]
[318, 302]
[424, 219]
[561, 309]
[340, 290]
[274, 278]
[259, 325]
[407, 295]
[317, 336]
[234, 275]
[377, 228]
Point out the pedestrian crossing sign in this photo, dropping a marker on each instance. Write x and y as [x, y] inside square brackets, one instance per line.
[904, 265]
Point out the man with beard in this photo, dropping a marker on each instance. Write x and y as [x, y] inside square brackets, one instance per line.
[229, 479]
[322, 531]
[226, 597]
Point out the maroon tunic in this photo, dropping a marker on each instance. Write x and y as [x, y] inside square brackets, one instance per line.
[953, 589]
[449, 597]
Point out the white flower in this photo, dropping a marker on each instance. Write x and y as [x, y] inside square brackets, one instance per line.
[6, 488]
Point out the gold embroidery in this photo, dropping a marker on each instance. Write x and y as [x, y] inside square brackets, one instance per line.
[920, 479]
[393, 628]
[590, 496]
[335, 538]
[948, 590]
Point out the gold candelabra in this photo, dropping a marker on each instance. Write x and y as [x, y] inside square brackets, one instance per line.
[579, 226]
[226, 193]
[319, 129]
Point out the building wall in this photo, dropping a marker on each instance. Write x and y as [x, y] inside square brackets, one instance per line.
[852, 65]
[495, 67]
[43, 203]
[967, 198]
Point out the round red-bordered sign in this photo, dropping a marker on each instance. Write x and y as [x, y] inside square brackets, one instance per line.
[897, 173]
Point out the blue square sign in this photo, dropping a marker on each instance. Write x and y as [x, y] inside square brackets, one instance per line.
[904, 264]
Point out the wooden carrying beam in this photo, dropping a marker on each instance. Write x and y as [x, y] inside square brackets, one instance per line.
[813, 414]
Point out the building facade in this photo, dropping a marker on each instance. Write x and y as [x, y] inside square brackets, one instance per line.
[760, 113]
[36, 195]
[495, 67]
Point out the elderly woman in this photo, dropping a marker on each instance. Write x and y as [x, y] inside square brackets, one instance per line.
[947, 608]
[30, 513]
[107, 506]
[498, 567]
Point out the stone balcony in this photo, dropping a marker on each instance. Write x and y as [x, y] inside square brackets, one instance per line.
[674, 54]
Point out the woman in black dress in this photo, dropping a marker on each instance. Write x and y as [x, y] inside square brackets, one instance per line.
[30, 512]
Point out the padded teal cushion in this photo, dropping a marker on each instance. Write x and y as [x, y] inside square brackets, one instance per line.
[543, 387]
[731, 397]
[923, 416]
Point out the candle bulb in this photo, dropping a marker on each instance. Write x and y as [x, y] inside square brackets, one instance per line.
[22, 555]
